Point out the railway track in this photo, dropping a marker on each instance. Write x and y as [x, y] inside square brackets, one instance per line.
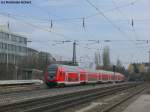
[60, 102]
[17, 88]
[121, 101]
[6, 89]
[10, 86]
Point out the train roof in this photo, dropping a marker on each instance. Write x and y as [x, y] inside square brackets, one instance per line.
[69, 68]
[100, 71]
[77, 68]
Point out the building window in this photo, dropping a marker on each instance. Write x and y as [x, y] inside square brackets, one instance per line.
[12, 49]
[25, 41]
[15, 48]
[21, 40]
[19, 49]
[9, 47]
[1, 35]
[4, 36]
[4, 46]
[0, 45]
[13, 38]
[5, 58]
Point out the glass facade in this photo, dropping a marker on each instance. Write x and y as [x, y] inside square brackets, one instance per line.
[12, 47]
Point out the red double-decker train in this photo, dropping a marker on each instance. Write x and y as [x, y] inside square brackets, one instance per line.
[61, 75]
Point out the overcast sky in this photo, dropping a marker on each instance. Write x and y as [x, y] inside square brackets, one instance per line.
[104, 20]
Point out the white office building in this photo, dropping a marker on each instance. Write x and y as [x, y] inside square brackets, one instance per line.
[13, 47]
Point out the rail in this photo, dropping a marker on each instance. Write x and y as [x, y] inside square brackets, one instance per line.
[60, 102]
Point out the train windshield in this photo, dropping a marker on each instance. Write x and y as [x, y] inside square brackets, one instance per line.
[52, 69]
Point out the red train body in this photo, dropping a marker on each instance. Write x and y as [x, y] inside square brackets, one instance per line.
[61, 75]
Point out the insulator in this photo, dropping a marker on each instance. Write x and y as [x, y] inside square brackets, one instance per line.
[132, 23]
[83, 24]
[51, 24]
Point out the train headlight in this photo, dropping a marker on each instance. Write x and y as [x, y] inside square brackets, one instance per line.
[51, 77]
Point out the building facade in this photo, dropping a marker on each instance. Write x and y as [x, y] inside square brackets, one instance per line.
[17, 61]
[32, 52]
[46, 56]
[13, 47]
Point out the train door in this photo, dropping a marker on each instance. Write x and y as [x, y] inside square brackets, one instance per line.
[61, 76]
[100, 76]
[72, 77]
[92, 77]
[87, 77]
[82, 77]
[108, 77]
[103, 77]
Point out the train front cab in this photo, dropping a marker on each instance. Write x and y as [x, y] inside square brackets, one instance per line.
[51, 75]
[69, 75]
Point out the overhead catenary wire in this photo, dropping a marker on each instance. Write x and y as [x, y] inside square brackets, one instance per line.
[75, 18]
[132, 21]
[132, 26]
[136, 36]
[86, 16]
[34, 26]
[107, 18]
[96, 41]
[81, 45]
